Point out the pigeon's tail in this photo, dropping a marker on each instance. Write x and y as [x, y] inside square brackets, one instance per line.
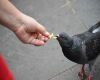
[95, 28]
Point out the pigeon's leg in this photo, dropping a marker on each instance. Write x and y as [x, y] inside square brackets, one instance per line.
[89, 77]
[82, 74]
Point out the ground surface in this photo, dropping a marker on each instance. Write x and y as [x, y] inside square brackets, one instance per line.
[47, 62]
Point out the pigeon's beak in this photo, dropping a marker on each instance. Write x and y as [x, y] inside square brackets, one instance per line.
[58, 37]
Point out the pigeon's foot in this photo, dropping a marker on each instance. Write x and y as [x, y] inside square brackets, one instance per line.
[82, 74]
[89, 77]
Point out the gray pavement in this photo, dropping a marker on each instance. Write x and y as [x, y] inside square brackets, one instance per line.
[47, 62]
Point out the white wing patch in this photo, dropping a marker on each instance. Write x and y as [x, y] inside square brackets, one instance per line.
[96, 30]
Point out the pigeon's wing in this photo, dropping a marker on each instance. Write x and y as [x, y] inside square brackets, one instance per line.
[95, 28]
[85, 47]
[92, 46]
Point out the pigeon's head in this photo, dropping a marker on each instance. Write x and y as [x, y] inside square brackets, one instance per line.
[64, 40]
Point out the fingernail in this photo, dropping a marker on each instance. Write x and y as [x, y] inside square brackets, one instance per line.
[47, 33]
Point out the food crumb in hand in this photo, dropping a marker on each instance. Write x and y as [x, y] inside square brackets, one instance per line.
[52, 36]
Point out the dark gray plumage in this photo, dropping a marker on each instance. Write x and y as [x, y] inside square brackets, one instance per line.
[81, 48]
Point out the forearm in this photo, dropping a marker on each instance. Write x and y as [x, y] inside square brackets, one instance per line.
[10, 16]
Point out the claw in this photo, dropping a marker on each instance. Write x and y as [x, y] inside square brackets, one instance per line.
[89, 77]
[82, 74]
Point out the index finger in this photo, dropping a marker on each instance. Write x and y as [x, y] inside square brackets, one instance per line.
[42, 30]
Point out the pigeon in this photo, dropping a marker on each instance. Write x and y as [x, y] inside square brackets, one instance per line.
[81, 48]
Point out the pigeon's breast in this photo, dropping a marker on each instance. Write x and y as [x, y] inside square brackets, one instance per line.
[79, 50]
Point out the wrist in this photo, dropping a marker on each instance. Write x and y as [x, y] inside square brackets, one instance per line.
[17, 22]
[11, 21]
[10, 16]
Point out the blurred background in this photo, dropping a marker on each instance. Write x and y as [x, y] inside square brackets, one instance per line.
[47, 62]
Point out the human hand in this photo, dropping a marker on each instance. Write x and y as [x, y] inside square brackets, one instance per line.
[31, 32]
[26, 28]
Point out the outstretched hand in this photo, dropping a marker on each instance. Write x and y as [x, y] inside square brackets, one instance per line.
[31, 32]
[27, 29]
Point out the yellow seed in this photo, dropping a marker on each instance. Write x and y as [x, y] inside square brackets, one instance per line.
[52, 36]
